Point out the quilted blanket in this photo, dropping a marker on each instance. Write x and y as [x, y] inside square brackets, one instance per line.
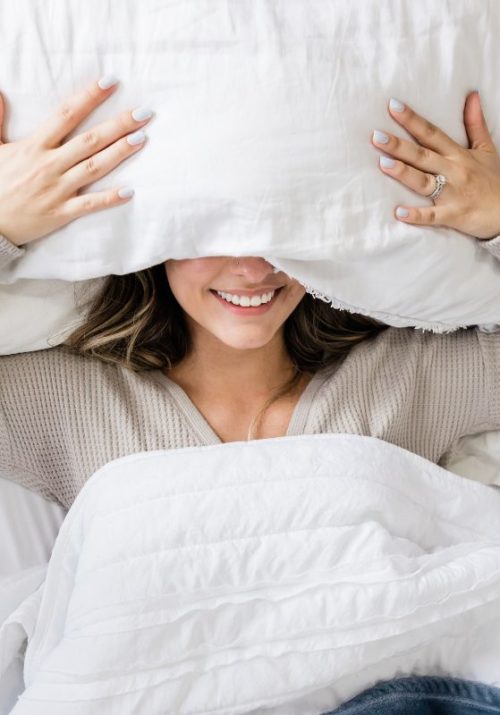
[277, 576]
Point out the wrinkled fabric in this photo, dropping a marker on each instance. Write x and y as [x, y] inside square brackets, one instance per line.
[279, 576]
[260, 143]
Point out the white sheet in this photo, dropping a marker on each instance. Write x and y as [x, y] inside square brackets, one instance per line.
[19, 604]
[28, 528]
[282, 576]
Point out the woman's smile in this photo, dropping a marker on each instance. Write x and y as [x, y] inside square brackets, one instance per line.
[247, 310]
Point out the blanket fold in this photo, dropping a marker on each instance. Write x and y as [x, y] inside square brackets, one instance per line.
[282, 575]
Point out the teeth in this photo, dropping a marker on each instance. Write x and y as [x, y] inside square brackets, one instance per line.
[245, 300]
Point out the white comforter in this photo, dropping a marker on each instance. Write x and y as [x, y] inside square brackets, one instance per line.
[282, 575]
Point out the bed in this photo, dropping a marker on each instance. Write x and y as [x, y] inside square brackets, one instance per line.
[223, 88]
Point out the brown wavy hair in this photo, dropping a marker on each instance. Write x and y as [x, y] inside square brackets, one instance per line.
[136, 322]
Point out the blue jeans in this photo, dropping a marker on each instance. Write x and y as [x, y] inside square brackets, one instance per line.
[427, 695]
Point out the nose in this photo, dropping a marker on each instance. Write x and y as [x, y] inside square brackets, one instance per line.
[252, 267]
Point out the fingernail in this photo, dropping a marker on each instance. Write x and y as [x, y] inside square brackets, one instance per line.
[141, 113]
[396, 105]
[126, 192]
[401, 212]
[107, 81]
[387, 162]
[136, 137]
[380, 137]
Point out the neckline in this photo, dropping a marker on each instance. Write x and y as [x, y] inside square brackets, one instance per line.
[200, 425]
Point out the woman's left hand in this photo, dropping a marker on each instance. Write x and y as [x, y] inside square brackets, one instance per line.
[470, 200]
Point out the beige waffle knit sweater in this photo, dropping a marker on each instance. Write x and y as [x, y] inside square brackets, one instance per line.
[63, 416]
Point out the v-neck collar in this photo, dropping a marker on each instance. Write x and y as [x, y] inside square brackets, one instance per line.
[205, 432]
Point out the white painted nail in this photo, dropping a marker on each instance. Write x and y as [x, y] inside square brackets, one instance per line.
[401, 212]
[141, 113]
[396, 105]
[380, 137]
[126, 192]
[107, 81]
[387, 162]
[136, 137]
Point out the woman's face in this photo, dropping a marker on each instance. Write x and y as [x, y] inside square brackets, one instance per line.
[194, 283]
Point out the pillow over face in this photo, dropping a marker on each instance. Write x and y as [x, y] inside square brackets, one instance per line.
[260, 143]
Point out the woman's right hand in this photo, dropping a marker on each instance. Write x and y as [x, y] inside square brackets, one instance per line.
[40, 177]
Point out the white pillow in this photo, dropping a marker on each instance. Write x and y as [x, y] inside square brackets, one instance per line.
[260, 144]
[39, 314]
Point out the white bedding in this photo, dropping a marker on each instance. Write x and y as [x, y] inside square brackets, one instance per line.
[281, 575]
[28, 528]
[260, 144]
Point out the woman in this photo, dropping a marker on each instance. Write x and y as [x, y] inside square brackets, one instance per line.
[166, 359]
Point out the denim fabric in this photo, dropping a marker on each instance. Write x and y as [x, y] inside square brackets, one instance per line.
[427, 695]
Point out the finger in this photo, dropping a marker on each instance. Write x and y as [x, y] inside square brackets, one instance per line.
[92, 141]
[426, 216]
[416, 180]
[418, 156]
[2, 114]
[89, 203]
[475, 124]
[70, 114]
[97, 166]
[425, 132]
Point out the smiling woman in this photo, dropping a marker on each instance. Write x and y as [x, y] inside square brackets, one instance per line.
[165, 361]
[237, 369]
[235, 362]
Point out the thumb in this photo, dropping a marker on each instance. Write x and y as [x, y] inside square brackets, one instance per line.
[475, 124]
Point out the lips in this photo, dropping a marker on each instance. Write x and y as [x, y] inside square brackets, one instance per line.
[248, 293]
[250, 310]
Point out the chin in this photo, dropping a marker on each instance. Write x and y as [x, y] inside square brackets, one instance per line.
[245, 343]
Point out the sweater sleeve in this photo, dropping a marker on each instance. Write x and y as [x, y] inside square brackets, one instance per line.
[29, 387]
[8, 470]
[5, 450]
[11, 471]
[9, 251]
